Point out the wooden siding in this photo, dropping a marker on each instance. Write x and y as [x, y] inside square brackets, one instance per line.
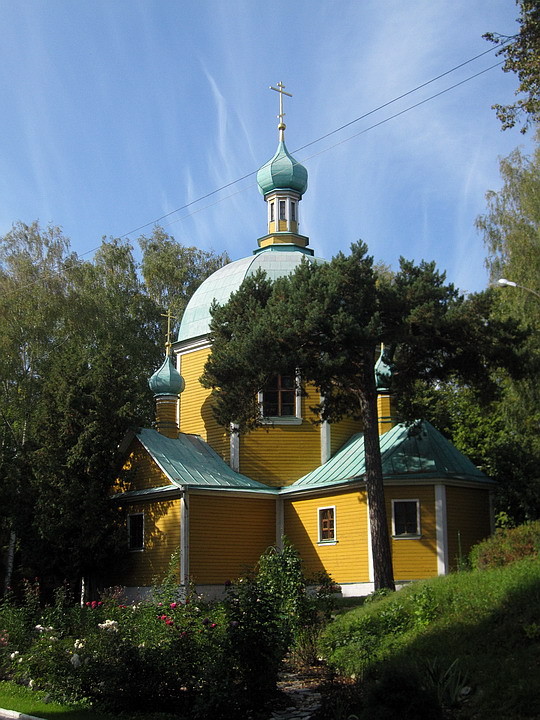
[385, 411]
[469, 520]
[195, 405]
[228, 534]
[280, 454]
[347, 560]
[140, 472]
[412, 558]
[161, 539]
[342, 431]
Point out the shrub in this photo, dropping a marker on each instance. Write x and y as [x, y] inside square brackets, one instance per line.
[192, 658]
[506, 546]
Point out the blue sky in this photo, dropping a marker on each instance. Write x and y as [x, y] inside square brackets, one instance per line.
[116, 112]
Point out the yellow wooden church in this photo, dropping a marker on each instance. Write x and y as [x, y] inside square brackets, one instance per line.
[220, 500]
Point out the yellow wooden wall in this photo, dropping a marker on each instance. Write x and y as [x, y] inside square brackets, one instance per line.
[142, 472]
[228, 534]
[468, 513]
[195, 405]
[347, 560]
[414, 559]
[161, 539]
[280, 454]
[342, 431]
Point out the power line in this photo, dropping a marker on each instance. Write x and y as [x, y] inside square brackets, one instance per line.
[313, 142]
[330, 147]
[319, 139]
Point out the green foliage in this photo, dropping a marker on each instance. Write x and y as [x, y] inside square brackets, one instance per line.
[507, 546]
[348, 310]
[191, 658]
[172, 272]
[400, 693]
[521, 57]
[78, 341]
[471, 643]
[511, 231]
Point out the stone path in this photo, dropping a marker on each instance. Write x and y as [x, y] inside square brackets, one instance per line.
[302, 697]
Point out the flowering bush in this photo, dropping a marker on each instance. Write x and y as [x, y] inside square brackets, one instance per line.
[195, 659]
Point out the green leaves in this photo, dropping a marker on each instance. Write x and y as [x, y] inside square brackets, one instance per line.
[78, 341]
[521, 57]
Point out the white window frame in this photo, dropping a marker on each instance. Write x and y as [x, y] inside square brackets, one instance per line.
[295, 419]
[408, 536]
[320, 540]
[131, 515]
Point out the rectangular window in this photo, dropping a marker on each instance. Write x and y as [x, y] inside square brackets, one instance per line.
[293, 211]
[135, 527]
[272, 216]
[327, 524]
[282, 215]
[406, 518]
[279, 397]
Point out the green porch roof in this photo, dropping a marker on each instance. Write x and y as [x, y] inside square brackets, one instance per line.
[407, 454]
[188, 460]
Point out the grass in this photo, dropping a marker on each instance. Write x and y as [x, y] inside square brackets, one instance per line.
[30, 702]
[473, 637]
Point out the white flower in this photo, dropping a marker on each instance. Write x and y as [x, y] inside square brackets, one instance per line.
[111, 625]
[31, 684]
[14, 654]
[40, 628]
[75, 661]
[78, 644]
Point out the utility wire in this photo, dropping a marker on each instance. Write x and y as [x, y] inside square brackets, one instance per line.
[313, 142]
[319, 139]
[330, 147]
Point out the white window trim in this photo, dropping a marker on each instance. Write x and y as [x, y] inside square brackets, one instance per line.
[130, 515]
[334, 540]
[413, 536]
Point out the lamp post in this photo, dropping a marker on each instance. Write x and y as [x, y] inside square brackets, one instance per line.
[510, 283]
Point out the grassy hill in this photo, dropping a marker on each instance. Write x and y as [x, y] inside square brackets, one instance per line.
[463, 646]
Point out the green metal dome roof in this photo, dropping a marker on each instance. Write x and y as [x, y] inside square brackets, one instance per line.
[282, 172]
[276, 260]
[167, 380]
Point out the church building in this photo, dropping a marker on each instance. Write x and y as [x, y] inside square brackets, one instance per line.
[217, 500]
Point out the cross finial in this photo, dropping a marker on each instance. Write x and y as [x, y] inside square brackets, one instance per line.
[280, 89]
[168, 344]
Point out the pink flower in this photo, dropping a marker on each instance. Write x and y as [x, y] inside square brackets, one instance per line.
[173, 605]
[213, 625]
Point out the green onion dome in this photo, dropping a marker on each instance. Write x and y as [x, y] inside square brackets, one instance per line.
[167, 380]
[383, 372]
[282, 172]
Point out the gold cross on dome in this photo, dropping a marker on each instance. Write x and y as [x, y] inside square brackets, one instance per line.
[168, 344]
[280, 89]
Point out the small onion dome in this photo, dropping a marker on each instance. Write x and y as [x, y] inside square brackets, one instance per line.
[383, 372]
[282, 172]
[167, 380]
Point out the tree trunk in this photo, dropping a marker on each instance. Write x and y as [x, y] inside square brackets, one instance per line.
[380, 539]
[10, 561]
